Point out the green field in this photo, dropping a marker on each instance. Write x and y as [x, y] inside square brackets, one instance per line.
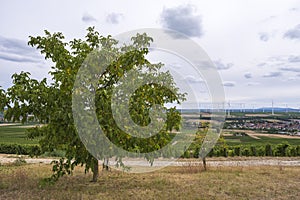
[247, 140]
[15, 134]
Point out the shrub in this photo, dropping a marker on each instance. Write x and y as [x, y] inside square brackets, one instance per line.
[237, 150]
[281, 149]
[20, 149]
[55, 153]
[261, 151]
[253, 151]
[230, 153]
[298, 150]
[268, 150]
[225, 152]
[246, 151]
[292, 151]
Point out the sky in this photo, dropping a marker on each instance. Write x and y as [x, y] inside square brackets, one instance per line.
[255, 45]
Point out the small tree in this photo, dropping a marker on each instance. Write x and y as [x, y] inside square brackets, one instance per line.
[52, 103]
[204, 146]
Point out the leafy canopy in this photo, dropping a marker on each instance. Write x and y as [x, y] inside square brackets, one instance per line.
[51, 103]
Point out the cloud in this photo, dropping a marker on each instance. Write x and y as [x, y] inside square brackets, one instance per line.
[264, 37]
[279, 61]
[293, 34]
[204, 65]
[182, 19]
[248, 75]
[277, 58]
[114, 18]
[192, 79]
[175, 65]
[294, 59]
[272, 75]
[290, 69]
[221, 66]
[294, 9]
[88, 18]
[270, 18]
[16, 58]
[228, 84]
[291, 79]
[253, 83]
[261, 64]
[15, 50]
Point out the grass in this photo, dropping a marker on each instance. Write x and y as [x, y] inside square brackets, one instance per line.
[15, 134]
[24, 182]
[235, 140]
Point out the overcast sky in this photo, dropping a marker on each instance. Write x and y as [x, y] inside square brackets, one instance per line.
[255, 45]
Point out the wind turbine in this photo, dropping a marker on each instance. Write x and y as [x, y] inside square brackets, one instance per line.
[253, 105]
[272, 107]
[228, 109]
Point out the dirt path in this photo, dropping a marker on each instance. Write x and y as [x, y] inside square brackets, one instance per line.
[275, 135]
[10, 158]
[256, 135]
[235, 161]
[10, 124]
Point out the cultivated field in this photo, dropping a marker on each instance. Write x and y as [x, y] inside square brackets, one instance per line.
[15, 134]
[254, 138]
[253, 134]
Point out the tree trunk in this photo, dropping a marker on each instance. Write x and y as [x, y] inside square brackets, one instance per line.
[204, 163]
[105, 164]
[95, 170]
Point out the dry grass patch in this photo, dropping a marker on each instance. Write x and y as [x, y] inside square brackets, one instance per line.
[188, 182]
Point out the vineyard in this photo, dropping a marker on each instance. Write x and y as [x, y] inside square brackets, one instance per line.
[13, 140]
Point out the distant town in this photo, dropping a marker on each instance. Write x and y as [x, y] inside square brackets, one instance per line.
[270, 120]
[290, 127]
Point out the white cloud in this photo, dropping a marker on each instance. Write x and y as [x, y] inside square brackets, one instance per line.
[294, 59]
[228, 84]
[15, 50]
[294, 33]
[88, 18]
[248, 75]
[222, 66]
[182, 19]
[264, 37]
[272, 74]
[192, 79]
[114, 18]
[253, 83]
[290, 69]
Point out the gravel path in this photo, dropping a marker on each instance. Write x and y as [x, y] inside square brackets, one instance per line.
[10, 158]
[242, 161]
